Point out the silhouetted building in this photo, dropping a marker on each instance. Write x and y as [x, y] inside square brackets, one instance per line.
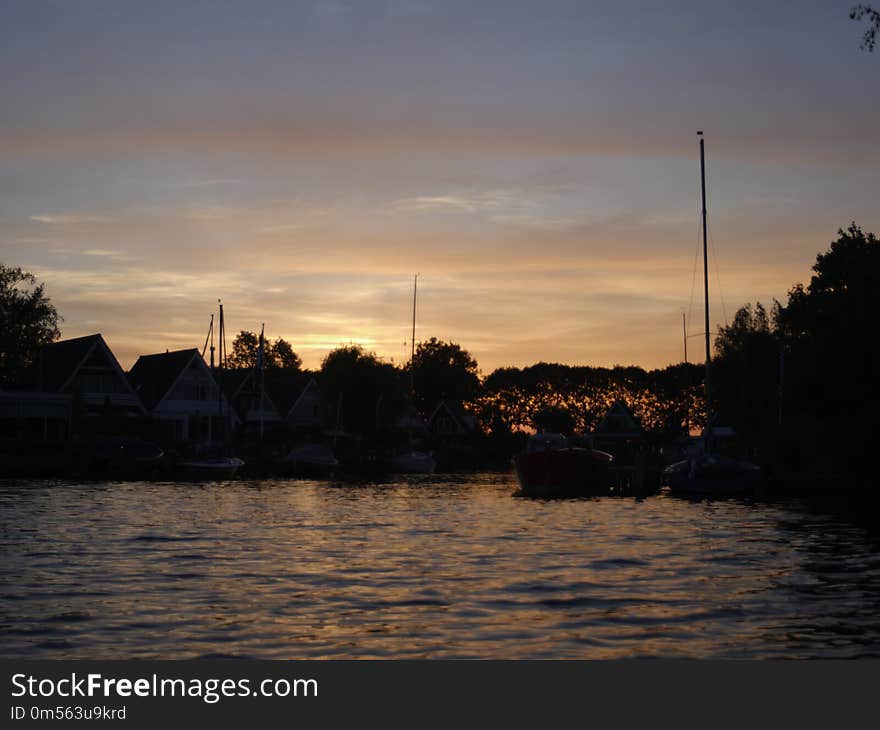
[252, 402]
[619, 433]
[31, 416]
[179, 390]
[85, 369]
[310, 409]
[451, 419]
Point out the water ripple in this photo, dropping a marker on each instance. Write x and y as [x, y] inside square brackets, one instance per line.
[429, 567]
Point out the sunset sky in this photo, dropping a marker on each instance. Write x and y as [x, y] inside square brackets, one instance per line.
[536, 162]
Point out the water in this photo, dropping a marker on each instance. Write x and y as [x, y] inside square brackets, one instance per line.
[424, 567]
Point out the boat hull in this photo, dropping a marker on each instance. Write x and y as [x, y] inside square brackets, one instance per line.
[416, 462]
[563, 472]
[207, 469]
[714, 476]
[309, 461]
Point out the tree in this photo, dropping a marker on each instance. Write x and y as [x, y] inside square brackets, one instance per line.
[278, 355]
[442, 370]
[367, 391]
[245, 347]
[746, 367]
[28, 320]
[859, 12]
[282, 356]
[827, 330]
[554, 419]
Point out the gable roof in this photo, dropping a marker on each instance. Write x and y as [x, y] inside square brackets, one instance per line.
[153, 376]
[286, 388]
[311, 383]
[619, 420]
[464, 420]
[57, 363]
[235, 382]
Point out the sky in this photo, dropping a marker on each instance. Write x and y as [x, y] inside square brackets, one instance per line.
[536, 163]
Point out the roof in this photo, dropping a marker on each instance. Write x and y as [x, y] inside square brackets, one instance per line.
[56, 363]
[152, 376]
[285, 387]
[465, 421]
[619, 420]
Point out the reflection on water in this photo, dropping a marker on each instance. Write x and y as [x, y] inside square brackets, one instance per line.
[431, 567]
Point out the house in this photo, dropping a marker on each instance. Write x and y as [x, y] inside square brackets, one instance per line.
[451, 419]
[32, 416]
[179, 389]
[86, 370]
[619, 433]
[251, 399]
[309, 409]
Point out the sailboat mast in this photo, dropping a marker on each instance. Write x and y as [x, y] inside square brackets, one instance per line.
[413, 341]
[222, 337]
[706, 277]
[684, 334]
[412, 352]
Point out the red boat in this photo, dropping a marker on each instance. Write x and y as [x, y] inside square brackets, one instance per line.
[549, 467]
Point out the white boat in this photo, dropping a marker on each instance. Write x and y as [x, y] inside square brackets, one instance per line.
[413, 462]
[208, 468]
[709, 473]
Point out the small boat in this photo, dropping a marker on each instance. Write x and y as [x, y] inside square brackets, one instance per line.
[413, 462]
[549, 467]
[308, 460]
[207, 468]
[711, 474]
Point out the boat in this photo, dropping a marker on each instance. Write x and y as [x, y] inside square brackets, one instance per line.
[712, 474]
[413, 462]
[551, 467]
[207, 468]
[206, 461]
[308, 460]
[709, 472]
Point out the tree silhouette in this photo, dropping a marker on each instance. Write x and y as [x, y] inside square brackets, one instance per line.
[442, 370]
[746, 372]
[277, 355]
[367, 392]
[828, 330]
[859, 12]
[28, 320]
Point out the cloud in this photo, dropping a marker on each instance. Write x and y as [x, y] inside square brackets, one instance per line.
[70, 219]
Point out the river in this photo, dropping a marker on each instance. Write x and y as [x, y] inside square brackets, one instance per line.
[429, 567]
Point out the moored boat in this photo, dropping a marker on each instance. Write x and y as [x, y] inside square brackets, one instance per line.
[308, 460]
[207, 468]
[549, 467]
[413, 462]
[712, 474]
[709, 472]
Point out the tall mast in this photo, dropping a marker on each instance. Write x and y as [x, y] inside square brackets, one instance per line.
[262, 375]
[684, 332]
[222, 336]
[413, 341]
[706, 283]
[412, 354]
